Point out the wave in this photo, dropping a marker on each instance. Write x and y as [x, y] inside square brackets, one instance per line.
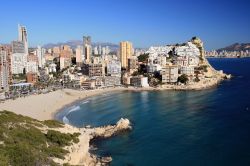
[84, 102]
[75, 108]
[65, 120]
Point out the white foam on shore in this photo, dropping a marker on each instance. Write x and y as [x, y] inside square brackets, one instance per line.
[84, 102]
[65, 120]
[73, 109]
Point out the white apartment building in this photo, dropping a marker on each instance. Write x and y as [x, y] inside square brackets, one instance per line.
[151, 67]
[188, 70]
[169, 74]
[18, 57]
[52, 68]
[114, 68]
[154, 52]
[40, 53]
[32, 67]
[139, 81]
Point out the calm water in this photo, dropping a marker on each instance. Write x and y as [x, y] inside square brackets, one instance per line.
[197, 128]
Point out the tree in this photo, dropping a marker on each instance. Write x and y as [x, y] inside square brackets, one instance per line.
[183, 79]
[24, 71]
[143, 57]
[135, 73]
[73, 60]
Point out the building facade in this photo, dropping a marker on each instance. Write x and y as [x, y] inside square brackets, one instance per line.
[188, 70]
[87, 49]
[96, 70]
[169, 74]
[139, 81]
[18, 58]
[126, 51]
[4, 70]
[114, 68]
[79, 56]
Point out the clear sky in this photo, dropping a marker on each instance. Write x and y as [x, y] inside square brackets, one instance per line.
[144, 22]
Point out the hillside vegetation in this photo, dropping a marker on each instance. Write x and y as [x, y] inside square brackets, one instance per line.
[24, 142]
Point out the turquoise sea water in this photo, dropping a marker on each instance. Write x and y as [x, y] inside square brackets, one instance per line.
[196, 128]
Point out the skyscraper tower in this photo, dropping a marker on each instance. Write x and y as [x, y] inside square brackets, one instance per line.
[23, 37]
[126, 51]
[87, 48]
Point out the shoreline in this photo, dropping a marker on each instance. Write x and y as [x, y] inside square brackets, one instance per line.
[47, 106]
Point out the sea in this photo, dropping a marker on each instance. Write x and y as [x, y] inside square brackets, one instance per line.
[175, 128]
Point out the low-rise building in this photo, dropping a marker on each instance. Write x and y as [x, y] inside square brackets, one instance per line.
[139, 81]
[31, 77]
[111, 81]
[99, 82]
[126, 79]
[88, 84]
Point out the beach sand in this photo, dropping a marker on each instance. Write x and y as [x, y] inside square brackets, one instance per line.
[44, 106]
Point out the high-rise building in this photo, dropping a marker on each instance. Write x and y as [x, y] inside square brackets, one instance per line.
[18, 58]
[114, 68]
[56, 51]
[107, 50]
[4, 70]
[40, 53]
[104, 51]
[96, 50]
[20, 52]
[87, 48]
[99, 49]
[66, 52]
[23, 37]
[79, 56]
[132, 64]
[126, 51]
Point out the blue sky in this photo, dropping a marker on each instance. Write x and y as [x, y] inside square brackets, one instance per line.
[144, 22]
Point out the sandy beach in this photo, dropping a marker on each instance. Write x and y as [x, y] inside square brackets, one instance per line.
[44, 106]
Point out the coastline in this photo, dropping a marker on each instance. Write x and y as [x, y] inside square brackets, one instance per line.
[46, 106]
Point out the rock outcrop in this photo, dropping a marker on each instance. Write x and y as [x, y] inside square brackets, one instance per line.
[108, 131]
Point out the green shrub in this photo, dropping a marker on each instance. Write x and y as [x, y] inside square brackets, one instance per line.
[58, 138]
[54, 151]
[23, 144]
[183, 78]
[53, 123]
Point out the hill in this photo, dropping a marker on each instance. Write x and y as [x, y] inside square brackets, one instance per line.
[236, 47]
[75, 43]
